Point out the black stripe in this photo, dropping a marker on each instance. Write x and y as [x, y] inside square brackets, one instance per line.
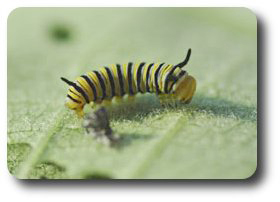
[147, 77]
[102, 84]
[168, 79]
[156, 78]
[111, 80]
[81, 91]
[129, 77]
[91, 86]
[182, 73]
[120, 76]
[138, 78]
[74, 93]
[74, 100]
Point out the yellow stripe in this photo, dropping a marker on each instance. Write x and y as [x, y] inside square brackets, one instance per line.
[177, 71]
[116, 80]
[124, 68]
[152, 76]
[134, 77]
[144, 76]
[86, 87]
[96, 83]
[164, 74]
[161, 78]
[76, 95]
[107, 82]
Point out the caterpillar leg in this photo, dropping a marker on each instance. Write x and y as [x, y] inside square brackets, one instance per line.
[106, 103]
[166, 99]
[118, 99]
[80, 113]
[130, 98]
[91, 104]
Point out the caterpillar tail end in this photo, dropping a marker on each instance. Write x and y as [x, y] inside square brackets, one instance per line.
[77, 107]
[185, 89]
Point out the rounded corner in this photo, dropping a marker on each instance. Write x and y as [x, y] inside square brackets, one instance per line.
[253, 174]
[11, 173]
[14, 175]
[252, 13]
[12, 13]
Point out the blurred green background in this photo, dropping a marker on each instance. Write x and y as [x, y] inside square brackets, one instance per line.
[215, 137]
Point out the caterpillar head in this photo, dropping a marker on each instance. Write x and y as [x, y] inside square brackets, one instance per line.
[184, 89]
[73, 101]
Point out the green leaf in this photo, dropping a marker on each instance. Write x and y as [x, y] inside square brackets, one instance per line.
[214, 137]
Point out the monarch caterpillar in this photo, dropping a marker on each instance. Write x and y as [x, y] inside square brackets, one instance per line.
[166, 80]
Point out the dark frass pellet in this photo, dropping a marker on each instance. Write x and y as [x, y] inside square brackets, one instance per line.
[97, 125]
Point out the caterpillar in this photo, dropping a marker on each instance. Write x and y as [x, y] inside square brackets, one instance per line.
[165, 80]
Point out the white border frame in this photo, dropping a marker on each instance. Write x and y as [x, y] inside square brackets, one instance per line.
[264, 188]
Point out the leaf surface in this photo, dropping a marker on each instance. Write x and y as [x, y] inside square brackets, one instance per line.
[213, 137]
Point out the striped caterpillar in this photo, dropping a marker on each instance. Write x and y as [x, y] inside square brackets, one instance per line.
[165, 80]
